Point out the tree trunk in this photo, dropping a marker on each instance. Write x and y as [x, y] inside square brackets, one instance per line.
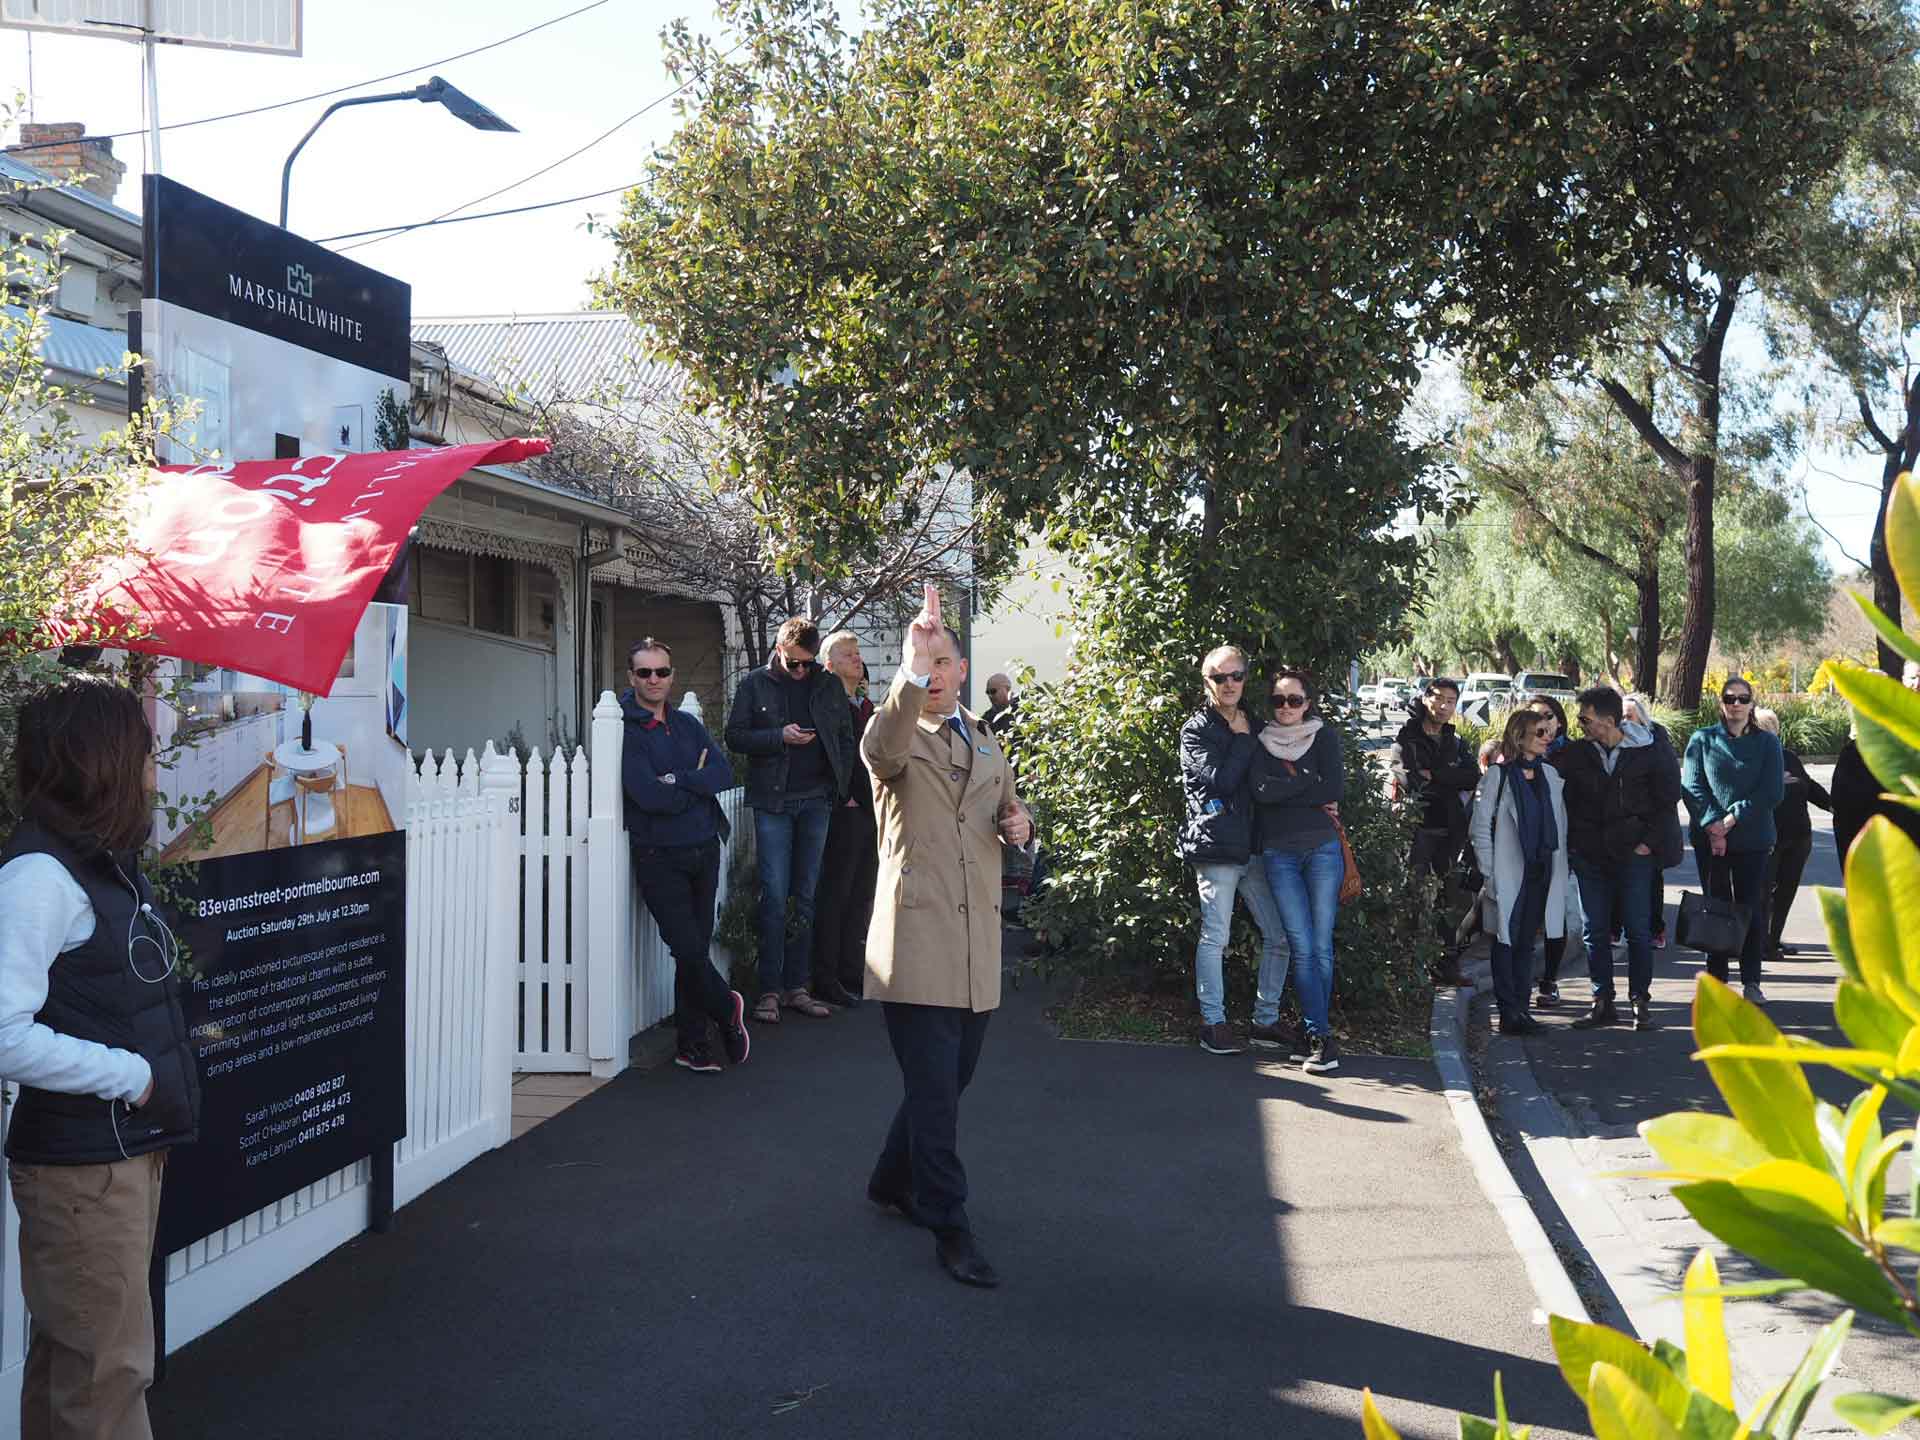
[1646, 649]
[1570, 662]
[1507, 660]
[1696, 626]
[1900, 457]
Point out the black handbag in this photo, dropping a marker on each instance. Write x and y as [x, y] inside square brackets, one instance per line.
[1712, 925]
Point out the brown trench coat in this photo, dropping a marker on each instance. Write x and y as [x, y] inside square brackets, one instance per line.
[935, 937]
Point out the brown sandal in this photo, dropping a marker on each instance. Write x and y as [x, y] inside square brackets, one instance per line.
[802, 1001]
[767, 1008]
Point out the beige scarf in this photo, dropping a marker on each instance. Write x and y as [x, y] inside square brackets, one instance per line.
[1290, 742]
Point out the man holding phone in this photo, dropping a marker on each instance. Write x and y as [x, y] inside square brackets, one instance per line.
[945, 807]
[791, 720]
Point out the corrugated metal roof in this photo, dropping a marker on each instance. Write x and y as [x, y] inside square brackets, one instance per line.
[21, 173]
[81, 349]
[548, 355]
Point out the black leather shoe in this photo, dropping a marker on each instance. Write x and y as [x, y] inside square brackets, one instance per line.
[1602, 1013]
[1642, 1013]
[1520, 1025]
[962, 1258]
[833, 993]
[892, 1200]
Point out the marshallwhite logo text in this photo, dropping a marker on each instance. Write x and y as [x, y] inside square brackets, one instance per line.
[296, 305]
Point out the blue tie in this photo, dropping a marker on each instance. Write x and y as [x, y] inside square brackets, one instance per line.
[959, 728]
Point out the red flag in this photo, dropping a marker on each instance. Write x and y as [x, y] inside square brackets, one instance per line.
[266, 566]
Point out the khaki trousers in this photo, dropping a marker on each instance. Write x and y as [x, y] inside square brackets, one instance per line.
[86, 1241]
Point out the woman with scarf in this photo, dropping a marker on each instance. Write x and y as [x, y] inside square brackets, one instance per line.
[1574, 919]
[1299, 778]
[1519, 835]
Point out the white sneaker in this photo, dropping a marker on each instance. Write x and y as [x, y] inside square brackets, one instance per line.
[1753, 994]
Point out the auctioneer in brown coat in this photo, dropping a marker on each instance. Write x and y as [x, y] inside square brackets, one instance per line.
[935, 937]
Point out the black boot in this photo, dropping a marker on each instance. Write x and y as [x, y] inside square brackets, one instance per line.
[1642, 1013]
[1602, 1013]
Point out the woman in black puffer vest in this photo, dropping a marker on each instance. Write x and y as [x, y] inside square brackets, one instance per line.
[92, 1030]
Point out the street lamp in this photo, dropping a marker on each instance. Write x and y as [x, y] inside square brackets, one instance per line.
[435, 92]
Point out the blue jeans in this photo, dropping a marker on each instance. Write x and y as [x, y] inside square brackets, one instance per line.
[1218, 885]
[790, 844]
[1629, 881]
[1306, 886]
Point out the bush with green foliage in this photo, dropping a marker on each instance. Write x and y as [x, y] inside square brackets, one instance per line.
[1795, 1184]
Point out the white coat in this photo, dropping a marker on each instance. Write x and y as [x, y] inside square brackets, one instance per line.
[1495, 831]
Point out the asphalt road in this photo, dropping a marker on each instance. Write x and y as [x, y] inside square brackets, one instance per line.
[1190, 1244]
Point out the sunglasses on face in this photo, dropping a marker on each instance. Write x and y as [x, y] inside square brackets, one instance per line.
[641, 672]
[1727, 699]
[1228, 677]
[1289, 702]
[801, 664]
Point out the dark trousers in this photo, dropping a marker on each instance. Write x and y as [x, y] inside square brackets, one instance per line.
[1437, 852]
[1784, 869]
[843, 905]
[1656, 905]
[1512, 960]
[1742, 878]
[1600, 882]
[937, 1047]
[679, 883]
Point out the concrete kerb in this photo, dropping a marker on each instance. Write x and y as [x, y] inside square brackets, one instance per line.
[1552, 1286]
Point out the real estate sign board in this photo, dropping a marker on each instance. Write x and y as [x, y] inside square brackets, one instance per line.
[295, 940]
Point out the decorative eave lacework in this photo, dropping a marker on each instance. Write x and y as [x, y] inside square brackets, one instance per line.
[476, 540]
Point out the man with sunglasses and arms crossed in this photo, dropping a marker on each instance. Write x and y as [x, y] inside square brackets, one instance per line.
[1217, 751]
[790, 718]
[1620, 787]
[671, 775]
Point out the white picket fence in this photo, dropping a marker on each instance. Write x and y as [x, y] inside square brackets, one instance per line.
[527, 948]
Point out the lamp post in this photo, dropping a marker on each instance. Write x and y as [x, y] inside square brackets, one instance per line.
[435, 92]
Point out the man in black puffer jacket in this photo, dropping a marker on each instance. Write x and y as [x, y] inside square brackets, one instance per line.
[1433, 766]
[1621, 786]
[1217, 748]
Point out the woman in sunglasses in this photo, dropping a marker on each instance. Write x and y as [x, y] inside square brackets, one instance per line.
[1298, 782]
[1553, 950]
[92, 1031]
[1733, 778]
[1519, 832]
[1217, 750]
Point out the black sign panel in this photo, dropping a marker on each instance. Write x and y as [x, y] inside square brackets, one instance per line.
[223, 262]
[297, 1016]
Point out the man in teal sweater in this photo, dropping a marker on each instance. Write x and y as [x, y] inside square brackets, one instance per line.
[1733, 778]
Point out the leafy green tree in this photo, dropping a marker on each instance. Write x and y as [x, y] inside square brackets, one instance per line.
[1158, 278]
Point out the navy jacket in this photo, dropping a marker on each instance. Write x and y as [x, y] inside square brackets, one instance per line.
[687, 812]
[1216, 775]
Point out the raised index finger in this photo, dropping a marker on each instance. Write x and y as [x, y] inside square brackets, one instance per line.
[930, 606]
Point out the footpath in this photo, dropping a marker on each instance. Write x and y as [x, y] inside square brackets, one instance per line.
[1189, 1244]
[1568, 1104]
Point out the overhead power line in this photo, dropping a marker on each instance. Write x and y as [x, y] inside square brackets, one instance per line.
[393, 232]
[451, 219]
[321, 94]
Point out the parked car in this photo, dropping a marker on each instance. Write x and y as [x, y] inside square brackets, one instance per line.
[1545, 682]
[1482, 693]
[1390, 698]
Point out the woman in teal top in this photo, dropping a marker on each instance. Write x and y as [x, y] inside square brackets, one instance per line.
[1733, 778]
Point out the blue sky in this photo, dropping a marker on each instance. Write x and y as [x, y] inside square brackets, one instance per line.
[388, 164]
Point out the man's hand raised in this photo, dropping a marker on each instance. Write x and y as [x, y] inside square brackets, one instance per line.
[923, 635]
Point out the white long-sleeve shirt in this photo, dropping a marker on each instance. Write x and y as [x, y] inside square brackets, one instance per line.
[43, 914]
